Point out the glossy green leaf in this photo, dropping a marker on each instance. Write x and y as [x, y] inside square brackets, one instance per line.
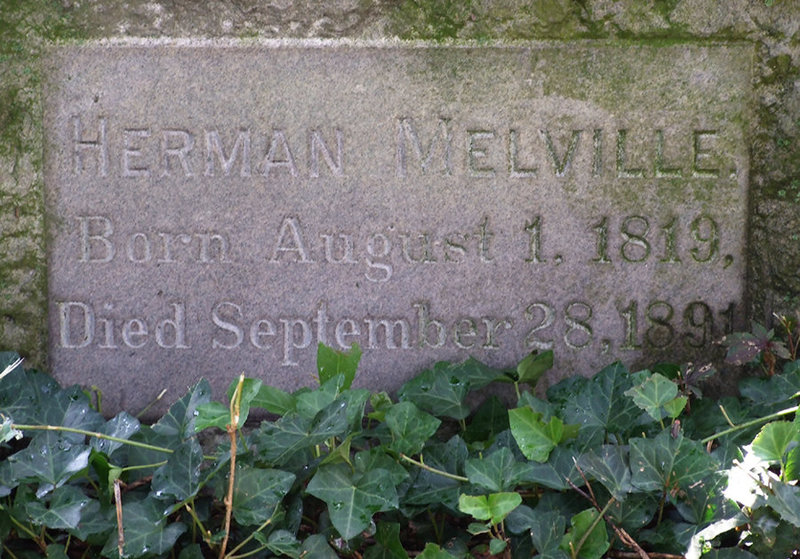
[496, 547]
[498, 471]
[600, 406]
[331, 363]
[50, 460]
[387, 543]
[490, 419]
[785, 500]
[352, 499]
[180, 476]
[429, 489]
[609, 465]
[63, 510]
[438, 391]
[283, 542]
[257, 493]
[676, 406]
[774, 440]
[25, 395]
[653, 393]
[493, 507]
[559, 467]
[376, 458]
[772, 390]
[593, 546]
[146, 531]
[274, 400]
[668, 462]
[309, 403]
[410, 427]
[95, 521]
[433, 551]
[179, 422]
[280, 442]
[533, 366]
[535, 438]
[317, 546]
[212, 414]
[121, 426]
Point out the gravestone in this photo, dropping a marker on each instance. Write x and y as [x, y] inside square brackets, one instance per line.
[223, 207]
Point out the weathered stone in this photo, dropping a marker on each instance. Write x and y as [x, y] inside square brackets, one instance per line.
[217, 208]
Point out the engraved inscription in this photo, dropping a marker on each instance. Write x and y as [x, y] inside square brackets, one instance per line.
[213, 211]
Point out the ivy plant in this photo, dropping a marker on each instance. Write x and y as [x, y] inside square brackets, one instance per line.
[617, 464]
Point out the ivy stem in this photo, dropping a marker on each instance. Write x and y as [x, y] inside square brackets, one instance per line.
[421, 464]
[236, 401]
[244, 542]
[25, 529]
[588, 532]
[750, 423]
[91, 434]
[199, 524]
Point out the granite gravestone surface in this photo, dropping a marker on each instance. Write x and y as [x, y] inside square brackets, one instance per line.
[217, 208]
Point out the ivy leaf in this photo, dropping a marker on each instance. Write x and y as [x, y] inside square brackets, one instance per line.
[438, 391]
[600, 405]
[653, 393]
[493, 507]
[547, 529]
[431, 489]
[433, 551]
[558, 468]
[179, 422]
[331, 363]
[497, 472]
[772, 390]
[535, 438]
[49, 460]
[375, 458]
[317, 546]
[212, 414]
[257, 492]
[352, 499]
[785, 500]
[121, 426]
[145, 530]
[310, 402]
[283, 542]
[95, 521]
[477, 375]
[56, 551]
[180, 476]
[490, 419]
[63, 511]
[280, 442]
[410, 427]
[274, 400]
[25, 395]
[533, 366]
[676, 406]
[774, 440]
[668, 463]
[609, 465]
[387, 543]
[595, 545]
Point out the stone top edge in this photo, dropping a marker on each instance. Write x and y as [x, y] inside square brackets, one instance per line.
[230, 42]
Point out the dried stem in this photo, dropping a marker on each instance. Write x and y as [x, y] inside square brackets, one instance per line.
[118, 506]
[232, 427]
